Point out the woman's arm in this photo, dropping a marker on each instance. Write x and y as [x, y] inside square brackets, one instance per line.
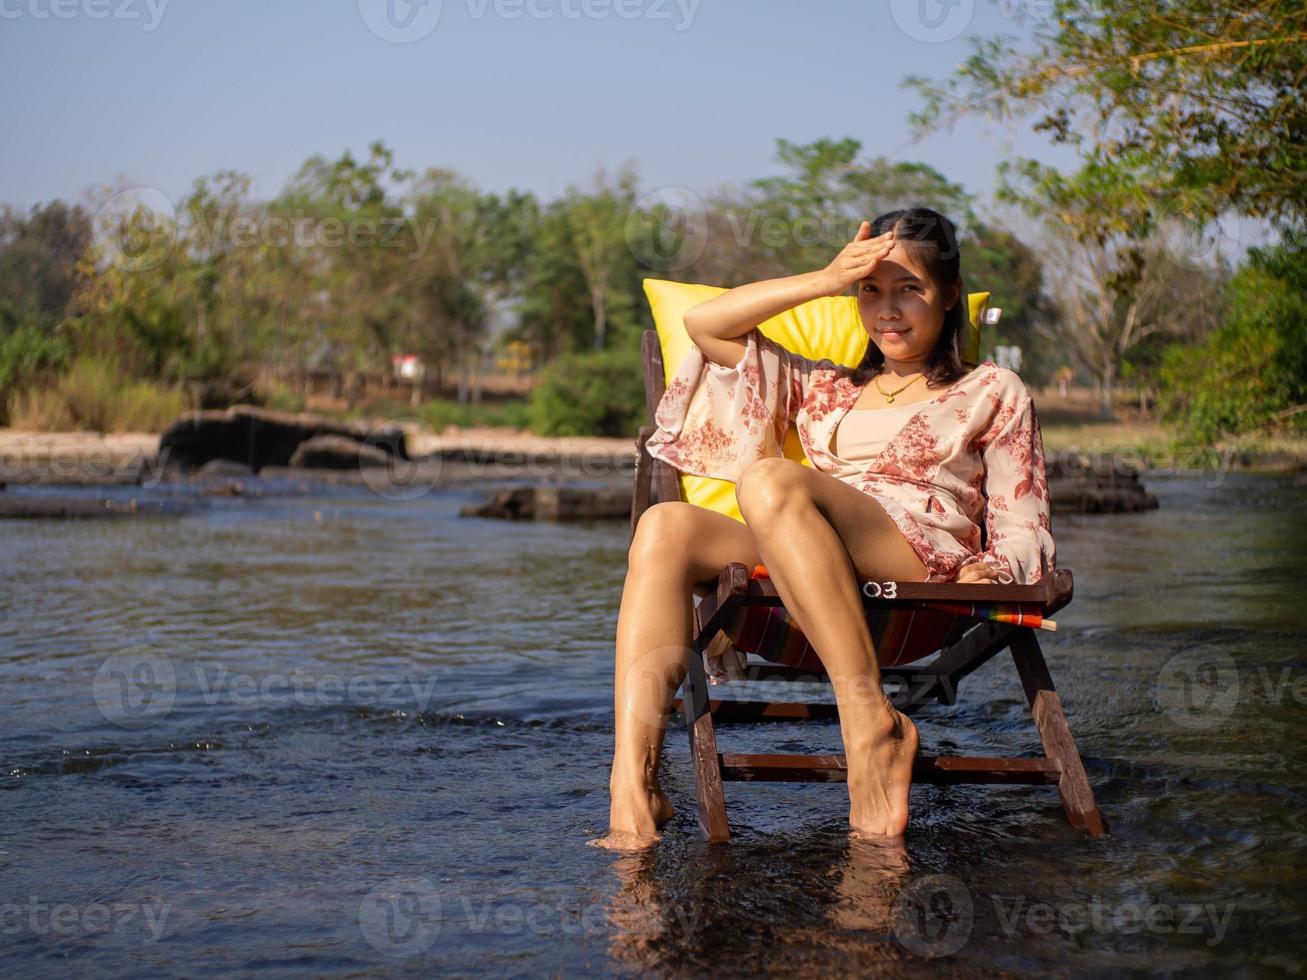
[1018, 529]
[716, 324]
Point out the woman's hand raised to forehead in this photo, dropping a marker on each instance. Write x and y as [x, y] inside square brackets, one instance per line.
[857, 260]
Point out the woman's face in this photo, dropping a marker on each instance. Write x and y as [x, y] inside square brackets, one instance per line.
[902, 308]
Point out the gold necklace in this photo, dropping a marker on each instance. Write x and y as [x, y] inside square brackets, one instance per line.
[889, 396]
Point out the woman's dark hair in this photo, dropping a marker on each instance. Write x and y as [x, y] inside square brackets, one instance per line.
[932, 240]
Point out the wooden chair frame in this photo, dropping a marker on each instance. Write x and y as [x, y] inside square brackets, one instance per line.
[922, 682]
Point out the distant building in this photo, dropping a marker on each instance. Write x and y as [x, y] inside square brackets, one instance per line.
[407, 366]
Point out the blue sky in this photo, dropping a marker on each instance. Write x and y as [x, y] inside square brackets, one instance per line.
[158, 92]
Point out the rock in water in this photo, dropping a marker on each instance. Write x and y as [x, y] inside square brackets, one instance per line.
[1076, 487]
[260, 437]
[337, 453]
[223, 469]
[554, 503]
[14, 506]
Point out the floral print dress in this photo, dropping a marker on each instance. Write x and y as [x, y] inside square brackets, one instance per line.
[973, 455]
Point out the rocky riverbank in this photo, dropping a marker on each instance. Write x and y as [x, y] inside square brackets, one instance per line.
[253, 452]
[282, 447]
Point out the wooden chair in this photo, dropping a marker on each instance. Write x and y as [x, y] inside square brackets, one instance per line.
[943, 621]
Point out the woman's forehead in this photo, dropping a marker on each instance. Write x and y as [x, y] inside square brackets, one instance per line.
[900, 263]
[897, 267]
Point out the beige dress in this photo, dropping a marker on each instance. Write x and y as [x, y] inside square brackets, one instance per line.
[962, 477]
[862, 435]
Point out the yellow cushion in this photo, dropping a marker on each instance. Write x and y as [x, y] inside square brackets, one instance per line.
[825, 327]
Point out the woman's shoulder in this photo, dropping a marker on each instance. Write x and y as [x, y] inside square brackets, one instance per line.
[988, 376]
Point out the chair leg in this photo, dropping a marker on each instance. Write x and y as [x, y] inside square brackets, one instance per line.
[1059, 744]
[703, 754]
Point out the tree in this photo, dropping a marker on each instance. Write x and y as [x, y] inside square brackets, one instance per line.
[597, 224]
[1251, 373]
[555, 314]
[1112, 295]
[1198, 104]
[136, 290]
[999, 262]
[232, 250]
[447, 309]
[502, 246]
[349, 209]
[802, 218]
[38, 263]
[469, 266]
[39, 257]
[714, 239]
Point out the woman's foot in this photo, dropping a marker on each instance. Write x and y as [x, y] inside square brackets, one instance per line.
[634, 817]
[880, 777]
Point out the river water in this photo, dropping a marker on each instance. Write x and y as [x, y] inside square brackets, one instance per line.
[333, 734]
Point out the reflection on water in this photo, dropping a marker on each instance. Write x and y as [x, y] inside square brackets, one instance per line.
[334, 734]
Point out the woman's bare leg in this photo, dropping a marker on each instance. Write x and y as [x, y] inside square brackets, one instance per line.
[676, 545]
[816, 534]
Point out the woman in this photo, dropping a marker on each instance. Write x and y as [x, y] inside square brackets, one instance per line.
[910, 451]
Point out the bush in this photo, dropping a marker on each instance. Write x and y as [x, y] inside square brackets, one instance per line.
[280, 397]
[442, 412]
[592, 394]
[141, 406]
[92, 396]
[26, 354]
[516, 415]
[1255, 363]
[89, 389]
[39, 410]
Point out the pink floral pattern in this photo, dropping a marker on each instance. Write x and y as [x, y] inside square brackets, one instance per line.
[972, 455]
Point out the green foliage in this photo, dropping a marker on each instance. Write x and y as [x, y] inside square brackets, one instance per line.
[26, 356]
[38, 262]
[1197, 103]
[1255, 364]
[144, 406]
[39, 254]
[89, 389]
[439, 413]
[555, 315]
[592, 394]
[1181, 112]
[358, 259]
[999, 262]
[92, 395]
[826, 193]
[280, 397]
[443, 412]
[190, 305]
